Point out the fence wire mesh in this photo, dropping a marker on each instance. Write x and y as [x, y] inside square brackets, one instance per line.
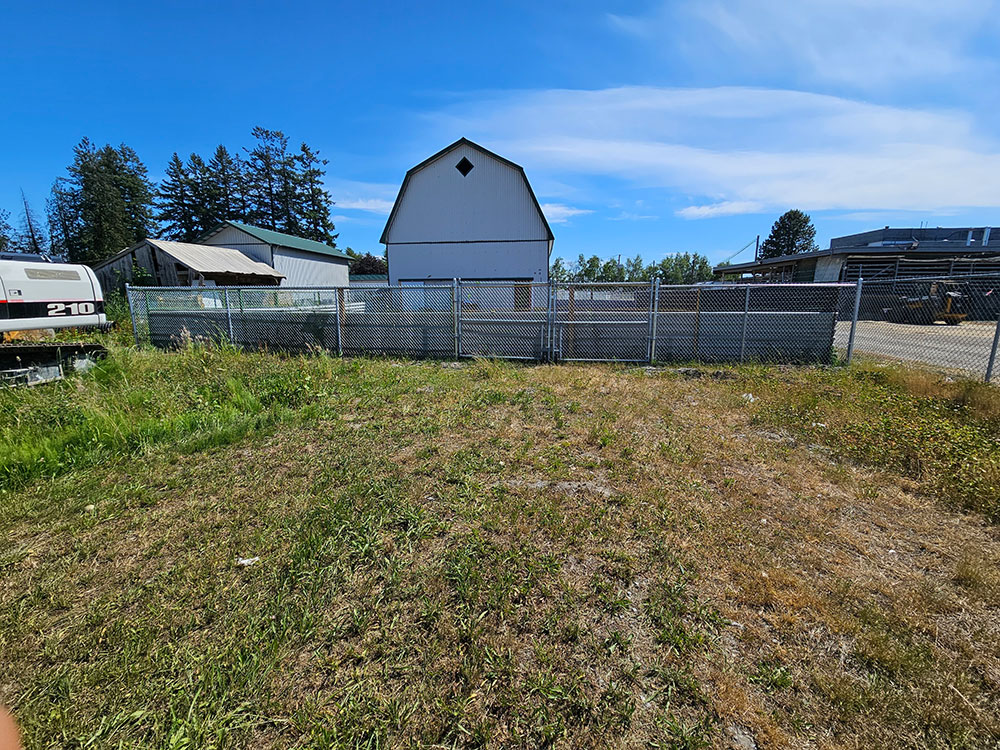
[617, 322]
[949, 323]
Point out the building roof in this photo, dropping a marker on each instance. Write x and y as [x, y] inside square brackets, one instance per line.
[203, 258]
[211, 259]
[444, 152]
[281, 239]
[947, 241]
[369, 277]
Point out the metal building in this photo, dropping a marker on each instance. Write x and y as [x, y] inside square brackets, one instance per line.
[466, 213]
[302, 262]
[882, 254]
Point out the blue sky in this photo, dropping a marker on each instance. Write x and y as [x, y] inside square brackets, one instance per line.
[644, 127]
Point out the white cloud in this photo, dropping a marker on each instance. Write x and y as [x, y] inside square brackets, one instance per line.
[742, 148]
[862, 43]
[353, 195]
[559, 213]
[725, 208]
[375, 205]
[632, 216]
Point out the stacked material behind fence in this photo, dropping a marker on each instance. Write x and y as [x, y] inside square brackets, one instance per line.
[624, 322]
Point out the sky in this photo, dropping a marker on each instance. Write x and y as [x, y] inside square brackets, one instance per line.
[644, 127]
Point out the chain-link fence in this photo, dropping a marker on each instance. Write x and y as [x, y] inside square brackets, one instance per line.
[950, 323]
[618, 322]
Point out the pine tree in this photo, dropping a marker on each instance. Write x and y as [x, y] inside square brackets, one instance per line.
[313, 202]
[202, 191]
[225, 187]
[791, 234]
[175, 201]
[33, 238]
[270, 184]
[368, 264]
[7, 237]
[103, 205]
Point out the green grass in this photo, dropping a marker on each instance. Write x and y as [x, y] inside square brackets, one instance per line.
[494, 555]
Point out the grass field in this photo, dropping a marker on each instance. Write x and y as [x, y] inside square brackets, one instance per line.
[483, 554]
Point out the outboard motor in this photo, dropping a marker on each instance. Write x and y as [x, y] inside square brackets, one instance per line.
[38, 296]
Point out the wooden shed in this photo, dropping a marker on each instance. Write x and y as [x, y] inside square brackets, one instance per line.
[184, 264]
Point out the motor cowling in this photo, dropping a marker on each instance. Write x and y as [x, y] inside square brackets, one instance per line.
[36, 296]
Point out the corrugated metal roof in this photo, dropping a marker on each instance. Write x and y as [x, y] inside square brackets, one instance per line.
[369, 277]
[287, 240]
[209, 259]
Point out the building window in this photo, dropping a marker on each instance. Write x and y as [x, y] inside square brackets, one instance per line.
[465, 166]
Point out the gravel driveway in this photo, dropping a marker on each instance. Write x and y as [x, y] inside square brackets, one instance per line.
[965, 347]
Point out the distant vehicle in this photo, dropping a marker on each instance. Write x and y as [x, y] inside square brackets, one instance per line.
[38, 296]
[931, 302]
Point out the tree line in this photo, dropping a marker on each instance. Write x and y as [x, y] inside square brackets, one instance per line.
[680, 268]
[791, 234]
[106, 201]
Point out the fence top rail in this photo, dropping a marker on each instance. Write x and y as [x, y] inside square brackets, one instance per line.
[994, 275]
[508, 284]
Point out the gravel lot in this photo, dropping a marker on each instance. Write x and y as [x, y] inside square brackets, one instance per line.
[965, 347]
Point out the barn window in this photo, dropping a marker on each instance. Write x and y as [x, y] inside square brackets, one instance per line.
[465, 166]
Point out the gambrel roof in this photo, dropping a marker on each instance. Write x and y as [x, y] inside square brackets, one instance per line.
[444, 152]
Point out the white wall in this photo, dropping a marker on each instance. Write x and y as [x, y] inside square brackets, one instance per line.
[247, 244]
[309, 269]
[491, 203]
[469, 260]
[484, 225]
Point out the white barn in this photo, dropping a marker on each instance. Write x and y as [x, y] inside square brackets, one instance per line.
[466, 213]
[302, 262]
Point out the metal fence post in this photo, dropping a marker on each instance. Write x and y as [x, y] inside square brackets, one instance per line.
[854, 321]
[697, 320]
[746, 318]
[993, 353]
[456, 313]
[550, 324]
[340, 321]
[654, 290]
[131, 312]
[229, 315]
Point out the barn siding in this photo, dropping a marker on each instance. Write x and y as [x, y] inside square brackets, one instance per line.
[492, 202]
[470, 260]
[309, 269]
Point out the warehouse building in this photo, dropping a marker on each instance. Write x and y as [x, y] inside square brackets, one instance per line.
[883, 254]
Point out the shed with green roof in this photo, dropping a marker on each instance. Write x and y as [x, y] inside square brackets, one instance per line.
[303, 262]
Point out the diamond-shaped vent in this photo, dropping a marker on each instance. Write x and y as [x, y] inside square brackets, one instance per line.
[465, 166]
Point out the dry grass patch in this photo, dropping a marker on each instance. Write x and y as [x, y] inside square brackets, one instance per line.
[492, 555]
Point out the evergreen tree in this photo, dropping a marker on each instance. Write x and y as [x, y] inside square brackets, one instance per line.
[226, 192]
[175, 201]
[202, 192]
[312, 201]
[270, 181]
[791, 234]
[103, 205]
[32, 239]
[367, 264]
[7, 236]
